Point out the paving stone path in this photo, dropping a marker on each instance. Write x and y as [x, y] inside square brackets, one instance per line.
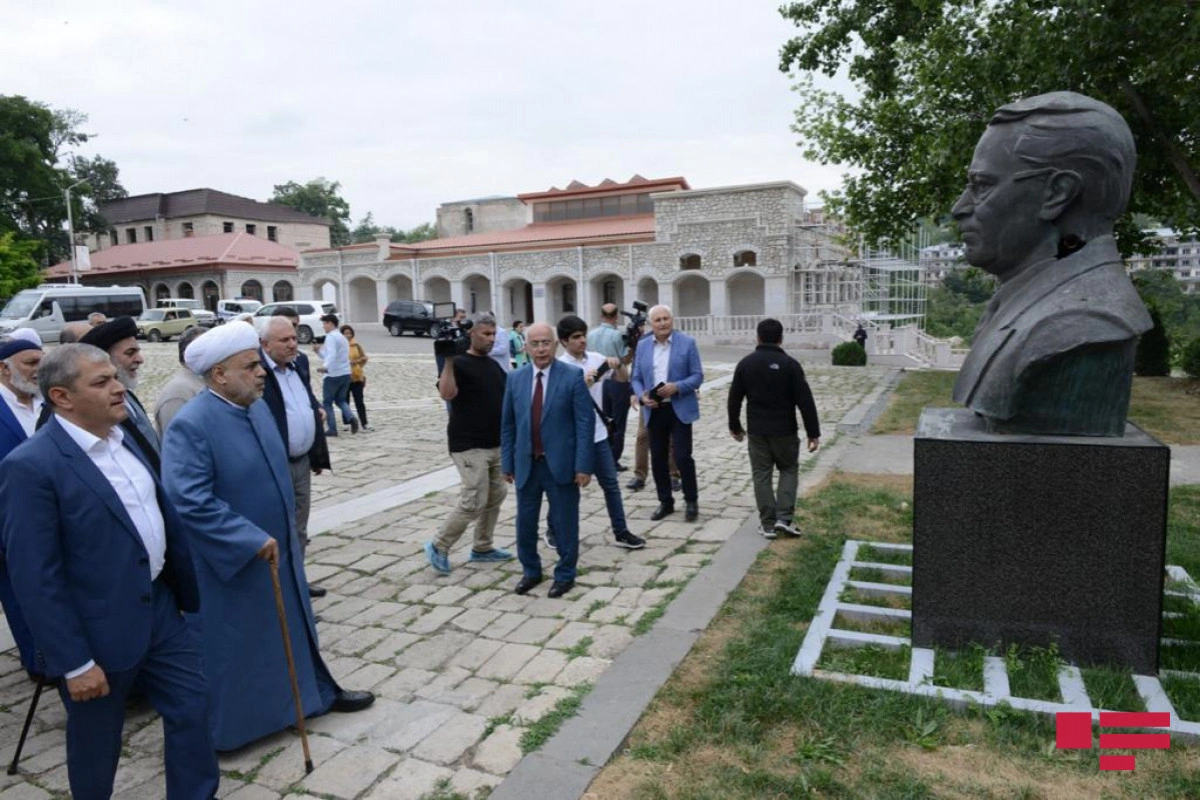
[462, 668]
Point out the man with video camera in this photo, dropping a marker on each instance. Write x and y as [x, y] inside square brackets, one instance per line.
[609, 341]
[472, 384]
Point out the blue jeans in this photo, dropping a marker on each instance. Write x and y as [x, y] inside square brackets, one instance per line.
[564, 517]
[606, 475]
[336, 391]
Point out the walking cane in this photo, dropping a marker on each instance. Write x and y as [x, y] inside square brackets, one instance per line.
[37, 694]
[287, 648]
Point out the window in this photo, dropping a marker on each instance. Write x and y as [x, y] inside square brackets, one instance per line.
[690, 261]
[253, 290]
[468, 220]
[149, 231]
[113, 239]
[272, 233]
[227, 226]
[593, 207]
[568, 298]
[745, 258]
[251, 228]
[131, 236]
[189, 230]
[610, 291]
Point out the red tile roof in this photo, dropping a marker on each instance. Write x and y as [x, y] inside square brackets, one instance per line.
[539, 235]
[225, 250]
[577, 189]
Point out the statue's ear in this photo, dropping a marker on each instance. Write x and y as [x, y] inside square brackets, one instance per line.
[1061, 190]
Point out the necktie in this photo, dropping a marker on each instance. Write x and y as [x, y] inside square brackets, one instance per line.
[536, 420]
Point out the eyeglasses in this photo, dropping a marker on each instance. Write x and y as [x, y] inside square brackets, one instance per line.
[979, 186]
[539, 342]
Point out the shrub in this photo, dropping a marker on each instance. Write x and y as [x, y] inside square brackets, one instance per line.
[1191, 358]
[1154, 348]
[849, 354]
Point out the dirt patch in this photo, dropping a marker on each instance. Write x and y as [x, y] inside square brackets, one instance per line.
[866, 480]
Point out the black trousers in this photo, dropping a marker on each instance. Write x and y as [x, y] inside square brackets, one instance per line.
[665, 430]
[616, 405]
[356, 392]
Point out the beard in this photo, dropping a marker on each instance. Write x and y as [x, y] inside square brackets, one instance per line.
[127, 379]
[21, 385]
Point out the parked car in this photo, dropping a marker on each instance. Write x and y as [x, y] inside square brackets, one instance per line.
[204, 317]
[310, 312]
[410, 315]
[228, 309]
[160, 324]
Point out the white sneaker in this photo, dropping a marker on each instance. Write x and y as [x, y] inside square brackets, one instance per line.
[767, 532]
[787, 527]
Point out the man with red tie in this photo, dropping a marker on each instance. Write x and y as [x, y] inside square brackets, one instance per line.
[546, 449]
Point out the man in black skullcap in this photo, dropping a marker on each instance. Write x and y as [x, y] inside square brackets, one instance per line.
[118, 338]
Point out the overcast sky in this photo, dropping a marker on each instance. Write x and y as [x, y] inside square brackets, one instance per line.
[412, 104]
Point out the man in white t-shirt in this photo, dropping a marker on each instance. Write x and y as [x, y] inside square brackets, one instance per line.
[572, 333]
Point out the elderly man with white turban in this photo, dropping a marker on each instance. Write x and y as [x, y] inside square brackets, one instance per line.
[226, 471]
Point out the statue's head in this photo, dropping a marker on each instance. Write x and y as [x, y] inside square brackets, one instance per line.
[1049, 173]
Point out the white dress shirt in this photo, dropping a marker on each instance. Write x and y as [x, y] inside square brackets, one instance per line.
[662, 359]
[134, 485]
[25, 415]
[336, 354]
[592, 360]
[301, 425]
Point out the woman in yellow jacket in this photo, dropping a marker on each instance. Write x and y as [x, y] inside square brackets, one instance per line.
[358, 378]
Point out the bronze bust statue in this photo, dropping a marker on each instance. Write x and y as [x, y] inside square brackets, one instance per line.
[1054, 351]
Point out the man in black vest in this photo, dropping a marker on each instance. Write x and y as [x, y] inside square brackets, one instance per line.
[297, 414]
[118, 338]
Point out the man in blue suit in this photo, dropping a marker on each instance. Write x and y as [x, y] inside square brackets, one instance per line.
[546, 448]
[100, 565]
[22, 405]
[666, 375]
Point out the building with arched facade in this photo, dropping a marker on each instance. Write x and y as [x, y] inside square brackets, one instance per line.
[713, 255]
[202, 267]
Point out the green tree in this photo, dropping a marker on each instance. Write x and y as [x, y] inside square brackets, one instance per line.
[31, 183]
[19, 267]
[1154, 348]
[319, 198]
[102, 183]
[423, 232]
[927, 76]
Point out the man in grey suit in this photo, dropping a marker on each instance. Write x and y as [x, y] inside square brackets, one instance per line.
[183, 386]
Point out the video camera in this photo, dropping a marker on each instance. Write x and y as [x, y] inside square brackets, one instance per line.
[637, 320]
[450, 340]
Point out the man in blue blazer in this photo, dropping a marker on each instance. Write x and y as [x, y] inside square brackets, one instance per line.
[546, 448]
[19, 411]
[666, 375]
[101, 566]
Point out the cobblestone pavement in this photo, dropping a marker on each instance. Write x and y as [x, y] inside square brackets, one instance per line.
[462, 668]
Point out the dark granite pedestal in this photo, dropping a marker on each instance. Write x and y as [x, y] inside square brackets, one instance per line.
[1033, 539]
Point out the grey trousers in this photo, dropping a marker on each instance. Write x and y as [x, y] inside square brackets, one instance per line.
[302, 483]
[482, 492]
[767, 454]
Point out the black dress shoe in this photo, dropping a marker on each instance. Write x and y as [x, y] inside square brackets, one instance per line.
[662, 510]
[316, 591]
[693, 512]
[349, 701]
[636, 485]
[559, 588]
[527, 583]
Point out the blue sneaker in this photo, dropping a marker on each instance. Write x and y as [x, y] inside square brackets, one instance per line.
[439, 561]
[495, 554]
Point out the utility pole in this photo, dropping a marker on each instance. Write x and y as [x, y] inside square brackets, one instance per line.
[71, 230]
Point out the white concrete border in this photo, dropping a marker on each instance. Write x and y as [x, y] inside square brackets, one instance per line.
[996, 687]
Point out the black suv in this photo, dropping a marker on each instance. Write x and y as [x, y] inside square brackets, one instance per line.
[410, 315]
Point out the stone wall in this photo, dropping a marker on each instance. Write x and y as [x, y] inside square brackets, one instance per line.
[487, 214]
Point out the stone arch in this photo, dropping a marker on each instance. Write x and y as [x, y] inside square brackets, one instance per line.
[689, 261]
[692, 296]
[477, 293]
[211, 293]
[327, 290]
[282, 292]
[562, 297]
[516, 302]
[745, 293]
[607, 287]
[161, 292]
[745, 257]
[185, 290]
[252, 289]
[360, 300]
[399, 287]
[437, 289]
[647, 291]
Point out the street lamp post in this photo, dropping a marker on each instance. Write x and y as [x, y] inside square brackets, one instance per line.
[71, 230]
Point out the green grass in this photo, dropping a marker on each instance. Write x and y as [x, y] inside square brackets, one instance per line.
[852, 595]
[961, 669]
[1183, 529]
[874, 575]
[735, 724]
[875, 554]
[915, 391]
[1033, 672]
[540, 732]
[1184, 694]
[881, 625]
[647, 620]
[1112, 690]
[579, 649]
